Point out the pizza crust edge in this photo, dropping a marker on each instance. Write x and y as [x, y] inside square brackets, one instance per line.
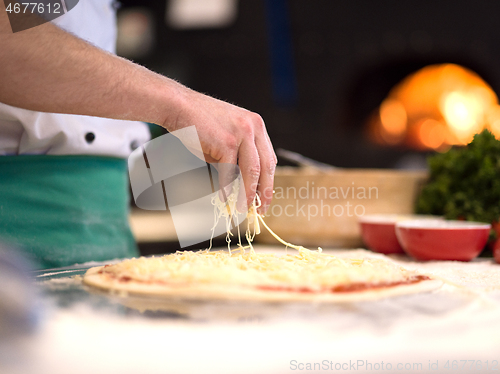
[218, 292]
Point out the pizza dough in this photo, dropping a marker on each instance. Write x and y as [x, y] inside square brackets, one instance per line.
[244, 274]
[219, 275]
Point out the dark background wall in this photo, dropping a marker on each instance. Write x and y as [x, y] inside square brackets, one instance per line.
[344, 57]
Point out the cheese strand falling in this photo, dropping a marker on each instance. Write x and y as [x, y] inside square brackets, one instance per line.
[228, 210]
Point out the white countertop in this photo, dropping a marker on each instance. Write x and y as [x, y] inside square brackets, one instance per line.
[414, 333]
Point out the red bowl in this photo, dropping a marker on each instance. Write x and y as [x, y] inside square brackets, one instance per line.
[442, 240]
[379, 231]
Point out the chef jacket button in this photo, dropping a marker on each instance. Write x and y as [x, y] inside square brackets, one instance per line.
[134, 145]
[89, 137]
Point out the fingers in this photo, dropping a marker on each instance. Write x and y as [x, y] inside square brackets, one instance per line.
[249, 162]
[267, 168]
[257, 162]
[227, 170]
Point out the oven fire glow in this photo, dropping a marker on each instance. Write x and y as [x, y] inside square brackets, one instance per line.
[436, 107]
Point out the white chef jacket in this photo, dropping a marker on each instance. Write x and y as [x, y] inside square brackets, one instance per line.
[29, 132]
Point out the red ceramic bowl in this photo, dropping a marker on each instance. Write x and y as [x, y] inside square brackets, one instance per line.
[379, 231]
[442, 240]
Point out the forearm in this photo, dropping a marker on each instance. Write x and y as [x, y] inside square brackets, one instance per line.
[49, 70]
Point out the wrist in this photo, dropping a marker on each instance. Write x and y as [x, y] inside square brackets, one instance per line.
[172, 101]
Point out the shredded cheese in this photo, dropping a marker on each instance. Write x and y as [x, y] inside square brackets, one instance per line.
[310, 269]
[228, 210]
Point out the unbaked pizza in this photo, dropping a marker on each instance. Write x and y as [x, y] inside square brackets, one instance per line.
[245, 274]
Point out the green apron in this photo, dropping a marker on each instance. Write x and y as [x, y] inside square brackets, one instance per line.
[62, 210]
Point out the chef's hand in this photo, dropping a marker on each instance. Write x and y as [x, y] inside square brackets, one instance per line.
[230, 134]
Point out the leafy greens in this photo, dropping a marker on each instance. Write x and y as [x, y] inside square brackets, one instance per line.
[465, 182]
